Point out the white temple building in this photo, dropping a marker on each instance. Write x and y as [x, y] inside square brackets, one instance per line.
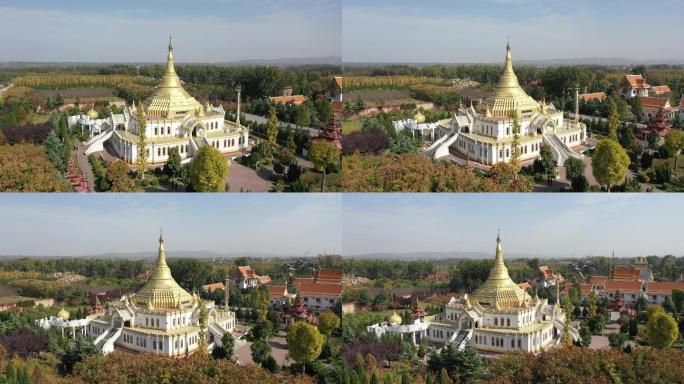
[485, 133]
[173, 119]
[161, 318]
[498, 317]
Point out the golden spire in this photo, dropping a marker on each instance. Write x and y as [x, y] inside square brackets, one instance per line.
[499, 291]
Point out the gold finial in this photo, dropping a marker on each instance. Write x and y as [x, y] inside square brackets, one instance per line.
[498, 235]
[170, 44]
[508, 45]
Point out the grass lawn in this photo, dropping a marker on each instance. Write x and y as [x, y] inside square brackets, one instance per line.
[38, 119]
[351, 126]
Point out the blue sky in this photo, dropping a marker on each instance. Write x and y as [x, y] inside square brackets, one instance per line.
[76, 224]
[551, 225]
[477, 30]
[137, 31]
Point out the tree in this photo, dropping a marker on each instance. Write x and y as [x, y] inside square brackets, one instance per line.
[3, 140]
[515, 144]
[261, 351]
[227, 348]
[208, 170]
[173, 166]
[26, 168]
[272, 130]
[328, 321]
[610, 163]
[141, 161]
[662, 329]
[202, 317]
[547, 163]
[302, 116]
[574, 168]
[323, 156]
[613, 119]
[637, 107]
[117, 175]
[304, 342]
[633, 327]
[617, 340]
[405, 378]
[585, 335]
[674, 142]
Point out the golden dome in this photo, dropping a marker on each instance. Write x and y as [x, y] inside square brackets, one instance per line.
[499, 291]
[509, 95]
[170, 100]
[419, 117]
[394, 318]
[93, 114]
[63, 314]
[162, 291]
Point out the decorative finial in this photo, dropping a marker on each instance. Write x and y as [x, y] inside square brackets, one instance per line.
[498, 235]
[508, 45]
[170, 45]
[161, 235]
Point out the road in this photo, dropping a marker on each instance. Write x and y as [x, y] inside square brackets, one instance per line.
[278, 351]
[603, 119]
[3, 90]
[313, 132]
[84, 165]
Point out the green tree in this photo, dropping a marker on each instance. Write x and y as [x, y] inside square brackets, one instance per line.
[674, 142]
[547, 163]
[574, 168]
[261, 351]
[585, 335]
[173, 166]
[662, 329]
[10, 373]
[323, 156]
[117, 175]
[272, 130]
[610, 163]
[302, 116]
[208, 170]
[227, 348]
[202, 318]
[328, 321]
[613, 119]
[141, 161]
[304, 343]
[515, 144]
[405, 378]
[637, 107]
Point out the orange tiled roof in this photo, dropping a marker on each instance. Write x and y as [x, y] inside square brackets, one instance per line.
[597, 280]
[339, 81]
[637, 81]
[660, 89]
[246, 271]
[654, 102]
[298, 280]
[593, 96]
[277, 291]
[625, 274]
[546, 271]
[623, 286]
[264, 279]
[328, 275]
[296, 99]
[213, 287]
[525, 285]
[308, 288]
[664, 286]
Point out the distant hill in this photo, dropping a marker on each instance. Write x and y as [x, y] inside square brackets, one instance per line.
[170, 255]
[588, 61]
[437, 255]
[282, 62]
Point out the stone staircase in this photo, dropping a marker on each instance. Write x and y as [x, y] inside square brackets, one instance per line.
[96, 144]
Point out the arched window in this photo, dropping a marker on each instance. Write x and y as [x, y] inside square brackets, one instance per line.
[496, 321]
[508, 322]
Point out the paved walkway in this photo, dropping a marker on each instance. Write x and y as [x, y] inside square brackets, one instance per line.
[84, 165]
[245, 179]
[278, 351]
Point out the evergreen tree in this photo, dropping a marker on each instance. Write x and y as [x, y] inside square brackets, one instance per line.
[141, 161]
[374, 378]
[272, 131]
[10, 373]
[405, 378]
[515, 144]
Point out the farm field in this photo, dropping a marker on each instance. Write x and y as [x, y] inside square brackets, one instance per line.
[351, 126]
[40, 95]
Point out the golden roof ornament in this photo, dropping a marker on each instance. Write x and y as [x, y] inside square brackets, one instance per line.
[394, 318]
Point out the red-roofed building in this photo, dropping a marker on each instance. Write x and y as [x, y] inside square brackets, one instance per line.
[598, 96]
[319, 296]
[598, 282]
[654, 105]
[629, 291]
[279, 295]
[546, 278]
[660, 91]
[634, 85]
[294, 99]
[212, 287]
[656, 291]
[328, 276]
[249, 279]
[659, 126]
[332, 134]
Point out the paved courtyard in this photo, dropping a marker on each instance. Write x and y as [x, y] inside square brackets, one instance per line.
[245, 179]
[279, 351]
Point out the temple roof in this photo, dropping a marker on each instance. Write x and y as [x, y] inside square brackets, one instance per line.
[171, 100]
[161, 290]
[509, 95]
[499, 291]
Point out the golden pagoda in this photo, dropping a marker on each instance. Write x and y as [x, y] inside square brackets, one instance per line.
[63, 314]
[509, 95]
[500, 291]
[161, 290]
[394, 318]
[92, 113]
[171, 100]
